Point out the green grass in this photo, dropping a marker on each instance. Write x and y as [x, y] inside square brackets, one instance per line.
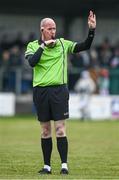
[93, 150]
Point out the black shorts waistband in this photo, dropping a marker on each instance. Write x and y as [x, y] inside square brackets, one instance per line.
[60, 85]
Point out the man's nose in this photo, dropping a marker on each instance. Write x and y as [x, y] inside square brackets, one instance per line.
[53, 31]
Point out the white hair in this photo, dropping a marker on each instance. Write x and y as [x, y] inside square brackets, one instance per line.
[44, 21]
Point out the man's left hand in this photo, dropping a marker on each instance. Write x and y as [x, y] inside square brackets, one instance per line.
[92, 20]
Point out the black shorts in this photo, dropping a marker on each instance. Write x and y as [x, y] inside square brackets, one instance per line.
[51, 102]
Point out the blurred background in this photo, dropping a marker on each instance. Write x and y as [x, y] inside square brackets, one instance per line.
[19, 24]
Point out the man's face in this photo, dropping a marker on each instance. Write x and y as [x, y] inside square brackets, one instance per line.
[49, 30]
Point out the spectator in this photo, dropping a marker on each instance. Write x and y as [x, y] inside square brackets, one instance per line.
[94, 59]
[15, 56]
[103, 82]
[115, 60]
[19, 41]
[105, 53]
[4, 69]
[85, 86]
[80, 60]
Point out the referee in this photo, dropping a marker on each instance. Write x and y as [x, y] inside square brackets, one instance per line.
[48, 58]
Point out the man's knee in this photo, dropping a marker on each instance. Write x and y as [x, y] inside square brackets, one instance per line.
[46, 131]
[60, 131]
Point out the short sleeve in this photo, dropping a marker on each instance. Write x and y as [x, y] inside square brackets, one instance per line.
[29, 50]
[70, 45]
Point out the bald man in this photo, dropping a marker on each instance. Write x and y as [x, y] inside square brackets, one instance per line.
[48, 58]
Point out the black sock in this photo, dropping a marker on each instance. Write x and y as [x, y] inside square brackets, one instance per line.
[46, 145]
[62, 146]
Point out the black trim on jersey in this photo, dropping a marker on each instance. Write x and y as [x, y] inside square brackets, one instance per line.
[63, 58]
[40, 41]
[86, 44]
[34, 59]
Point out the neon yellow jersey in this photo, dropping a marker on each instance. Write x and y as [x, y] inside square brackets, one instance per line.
[52, 66]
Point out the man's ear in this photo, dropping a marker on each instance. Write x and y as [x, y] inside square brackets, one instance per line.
[42, 29]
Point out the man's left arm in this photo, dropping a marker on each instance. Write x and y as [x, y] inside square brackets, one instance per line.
[87, 43]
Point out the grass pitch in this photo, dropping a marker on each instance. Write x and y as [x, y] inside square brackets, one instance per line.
[93, 150]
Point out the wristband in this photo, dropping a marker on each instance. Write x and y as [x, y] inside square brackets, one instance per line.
[43, 45]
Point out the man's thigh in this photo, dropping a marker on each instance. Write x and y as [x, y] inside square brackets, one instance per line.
[59, 103]
[40, 99]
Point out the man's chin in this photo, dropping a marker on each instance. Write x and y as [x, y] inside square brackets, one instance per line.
[53, 37]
